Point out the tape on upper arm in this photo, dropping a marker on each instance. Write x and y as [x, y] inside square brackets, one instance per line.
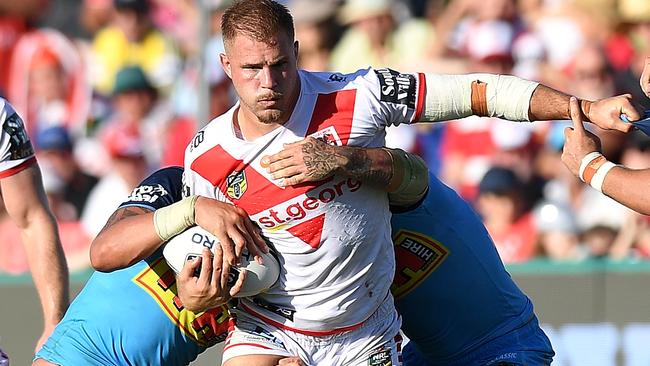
[451, 96]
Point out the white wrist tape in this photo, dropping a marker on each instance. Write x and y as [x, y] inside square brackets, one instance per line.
[450, 96]
[585, 161]
[599, 178]
[175, 218]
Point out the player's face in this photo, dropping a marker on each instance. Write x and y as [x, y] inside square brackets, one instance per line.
[264, 75]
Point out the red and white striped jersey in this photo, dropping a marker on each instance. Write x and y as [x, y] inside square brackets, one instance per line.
[333, 237]
[16, 152]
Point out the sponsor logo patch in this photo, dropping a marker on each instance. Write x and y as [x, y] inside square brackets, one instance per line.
[397, 88]
[417, 256]
[20, 146]
[328, 135]
[337, 78]
[381, 358]
[147, 193]
[237, 184]
[283, 312]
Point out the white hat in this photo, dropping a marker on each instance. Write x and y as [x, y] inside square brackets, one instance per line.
[311, 11]
[356, 10]
[634, 11]
[554, 217]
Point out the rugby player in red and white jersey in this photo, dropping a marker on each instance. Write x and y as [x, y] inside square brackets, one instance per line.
[332, 236]
[25, 201]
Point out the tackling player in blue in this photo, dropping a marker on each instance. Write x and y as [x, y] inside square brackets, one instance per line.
[459, 305]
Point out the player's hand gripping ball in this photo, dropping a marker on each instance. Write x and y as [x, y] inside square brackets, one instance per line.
[190, 243]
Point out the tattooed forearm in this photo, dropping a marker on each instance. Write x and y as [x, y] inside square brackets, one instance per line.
[122, 213]
[320, 159]
[369, 165]
[373, 166]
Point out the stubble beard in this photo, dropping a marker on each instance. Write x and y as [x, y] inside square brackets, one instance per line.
[269, 116]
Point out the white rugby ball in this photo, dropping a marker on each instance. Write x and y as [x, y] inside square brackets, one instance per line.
[190, 243]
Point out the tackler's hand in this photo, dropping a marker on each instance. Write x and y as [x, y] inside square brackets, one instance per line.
[578, 142]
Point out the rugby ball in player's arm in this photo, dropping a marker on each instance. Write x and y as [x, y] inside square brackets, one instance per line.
[190, 243]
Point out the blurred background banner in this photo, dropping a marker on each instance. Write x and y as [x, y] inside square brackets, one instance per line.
[595, 312]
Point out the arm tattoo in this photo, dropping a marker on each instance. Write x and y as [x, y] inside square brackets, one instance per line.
[122, 213]
[320, 159]
[373, 166]
[376, 169]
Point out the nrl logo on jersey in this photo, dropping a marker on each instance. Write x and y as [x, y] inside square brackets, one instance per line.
[328, 135]
[237, 184]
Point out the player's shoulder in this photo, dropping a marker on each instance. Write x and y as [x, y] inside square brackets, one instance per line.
[331, 81]
[215, 132]
[163, 187]
[14, 141]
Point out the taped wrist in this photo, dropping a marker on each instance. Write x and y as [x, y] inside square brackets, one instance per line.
[593, 169]
[175, 218]
[410, 178]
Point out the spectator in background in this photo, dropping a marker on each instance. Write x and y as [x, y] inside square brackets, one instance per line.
[591, 77]
[74, 240]
[367, 41]
[55, 149]
[316, 31]
[628, 46]
[48, 83]
[16, 18]
[95, 15]
[467, 146]
[506, 215]
[131, 39]
[125, 147]
[559, 237]
[137, 104]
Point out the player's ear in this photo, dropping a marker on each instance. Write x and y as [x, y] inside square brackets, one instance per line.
[225, 63]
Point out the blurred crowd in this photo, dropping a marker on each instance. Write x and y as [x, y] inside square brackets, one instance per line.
[109, 91]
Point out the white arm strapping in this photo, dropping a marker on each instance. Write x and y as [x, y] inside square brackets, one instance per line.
[450, 96]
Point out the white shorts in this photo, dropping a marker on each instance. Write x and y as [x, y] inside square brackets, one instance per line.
[376, 342]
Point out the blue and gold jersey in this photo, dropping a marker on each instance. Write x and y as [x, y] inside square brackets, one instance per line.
[133, 316]
[450, 285]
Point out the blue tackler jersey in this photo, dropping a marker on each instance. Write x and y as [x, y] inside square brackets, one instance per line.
[450, 286]
[133, 316]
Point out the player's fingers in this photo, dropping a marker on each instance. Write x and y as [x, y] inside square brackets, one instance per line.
[228, 256]
[237, 286]
[239, 240]
[629, 110]
[280, 165]
[217, 262]
[250, 243]
[287, 172]
[644, 81]
[576, 117]
[284, 154]
[295, 180]
[189, 268]
[205, 275]
[257, 236]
